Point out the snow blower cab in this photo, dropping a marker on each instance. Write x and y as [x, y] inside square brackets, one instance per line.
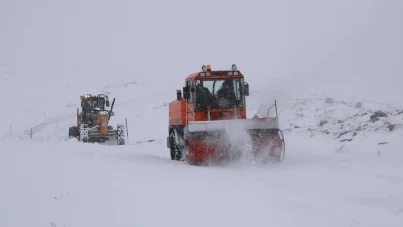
[207, 123]
[93, 121]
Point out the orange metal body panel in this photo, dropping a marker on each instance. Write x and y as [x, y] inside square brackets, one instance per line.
[192, 76]
[103, 123]
[177, 112]
[199, 151]
[195, 76]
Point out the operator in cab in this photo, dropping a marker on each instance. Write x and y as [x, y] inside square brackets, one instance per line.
[203, 95]
[227, 92]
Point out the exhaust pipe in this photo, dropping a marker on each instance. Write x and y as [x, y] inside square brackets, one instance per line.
[178, 94]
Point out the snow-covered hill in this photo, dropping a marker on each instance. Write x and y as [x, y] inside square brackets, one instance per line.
[333, 67]
[53, 181]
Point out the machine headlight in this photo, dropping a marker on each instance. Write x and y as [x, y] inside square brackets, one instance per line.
[233, 67]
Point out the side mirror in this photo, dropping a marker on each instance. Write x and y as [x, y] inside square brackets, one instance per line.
[186, 93]
[107, 103]
[246, 89]
[178, 94]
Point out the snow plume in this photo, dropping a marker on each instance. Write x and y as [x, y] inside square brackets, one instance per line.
[240, 141]
[266, 110]
[236, 146]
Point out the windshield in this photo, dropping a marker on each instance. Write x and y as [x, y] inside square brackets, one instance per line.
[98, 103]
[219, 93]
[93, 103]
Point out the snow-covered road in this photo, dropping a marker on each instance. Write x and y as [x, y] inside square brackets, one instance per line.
[330, 65]
[71, 184]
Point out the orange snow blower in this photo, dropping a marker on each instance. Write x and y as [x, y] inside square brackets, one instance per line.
[209, 122]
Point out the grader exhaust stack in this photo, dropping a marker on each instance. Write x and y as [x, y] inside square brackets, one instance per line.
[212, 109]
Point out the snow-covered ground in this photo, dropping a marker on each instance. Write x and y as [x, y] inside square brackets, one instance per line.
[339, 108]
[51, 180]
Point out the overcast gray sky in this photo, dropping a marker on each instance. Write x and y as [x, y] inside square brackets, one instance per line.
[289, 46]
